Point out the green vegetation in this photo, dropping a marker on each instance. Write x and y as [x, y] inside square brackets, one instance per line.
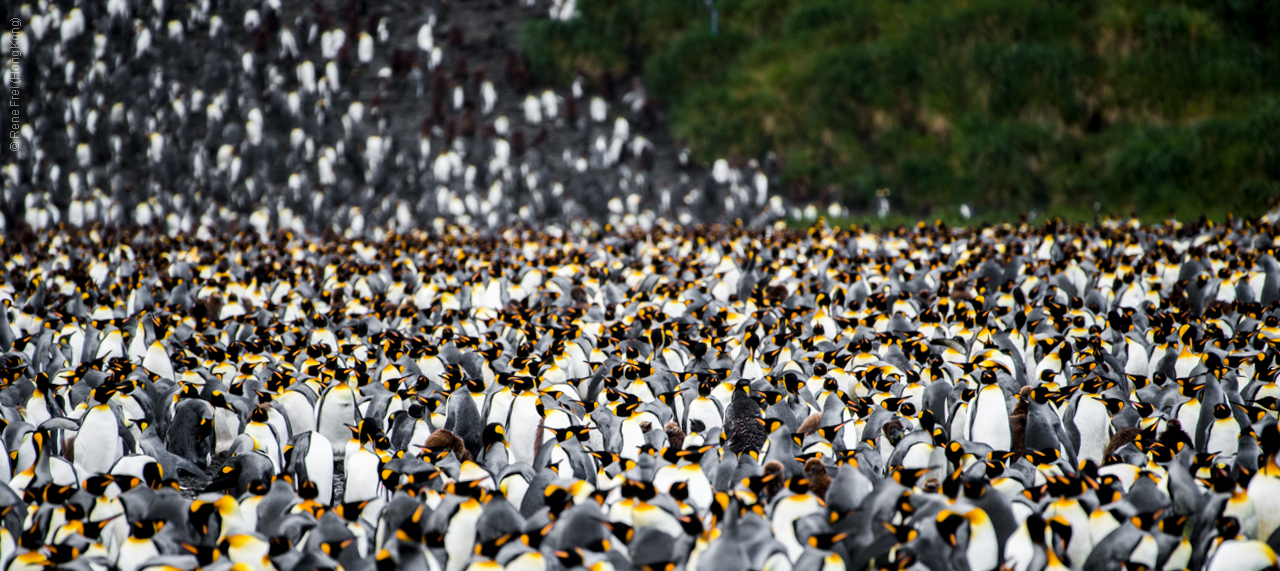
[1135, 105]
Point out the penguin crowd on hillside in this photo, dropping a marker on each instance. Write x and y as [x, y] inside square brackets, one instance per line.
[1014, 397]
[335, 115]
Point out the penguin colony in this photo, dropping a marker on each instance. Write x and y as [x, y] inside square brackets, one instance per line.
[1011, 397]
[333, 116]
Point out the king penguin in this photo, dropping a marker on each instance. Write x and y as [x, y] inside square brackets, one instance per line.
[311, 460]
[980, 549]
[525, 417]
[989, 417]
[98, 445]
[335, 412]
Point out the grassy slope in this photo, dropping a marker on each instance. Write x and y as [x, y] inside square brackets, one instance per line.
[1135, 105]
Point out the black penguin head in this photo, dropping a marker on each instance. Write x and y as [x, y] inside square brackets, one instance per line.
[829, 433]
[259, 414]
[50, 494]
[570, 559]
[892, 404]
[1062, 533]
[582, 433]
[104, 392]
[908, 477]
[493, 433]
[62, 553]
[153, 475]
[1190, 388]
[1174, 525]
[1228, 528]
[145, 529]
[948, 524]
[907, 410]
[819, 369]
[1114, 405]
[1144, 408]
[798, 485]
[307, 490]
[1222, 411]
[334, 548]
[204, 554]
[955, 453]
[218, 399]
[639, 490]
[350, 511]
[1147, 520]
[97, 485]
[826, 541]
[489, 549]
[1041, 395]
[995, 468]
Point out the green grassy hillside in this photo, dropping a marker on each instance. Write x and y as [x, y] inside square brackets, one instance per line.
[1007, 105]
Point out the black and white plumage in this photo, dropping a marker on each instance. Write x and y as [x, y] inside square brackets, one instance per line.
[282, 290]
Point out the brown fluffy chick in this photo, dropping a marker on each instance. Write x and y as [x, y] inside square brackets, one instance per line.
[675, 436]
[1018, 421]
[819, 481]
[1123, 436]
[774, 468]
[442, 438]
[810, 424]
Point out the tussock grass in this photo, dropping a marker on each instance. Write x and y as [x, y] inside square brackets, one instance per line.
[1006, 105]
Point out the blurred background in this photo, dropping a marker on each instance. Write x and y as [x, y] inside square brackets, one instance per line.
[999, 106]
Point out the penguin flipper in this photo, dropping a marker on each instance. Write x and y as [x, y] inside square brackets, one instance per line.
[224, 481]
[6, 333]
[185, 465]
[1072, 431]
[464, 420]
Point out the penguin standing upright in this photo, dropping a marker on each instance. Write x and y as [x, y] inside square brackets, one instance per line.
[265, 437]
[989, 416]
[1089, 427]
[227, 419]
[495, 453]
[525, 417]
[1224, 433]
[191, 431]
[139, 546]
[702, 408]
[98, 444]
[981, 549]
[788, 510]
[1264, 487]
[460, 534]
[311, 457]
[1231, 551]
[1044, 426]
[336, 411]
[361, 464]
